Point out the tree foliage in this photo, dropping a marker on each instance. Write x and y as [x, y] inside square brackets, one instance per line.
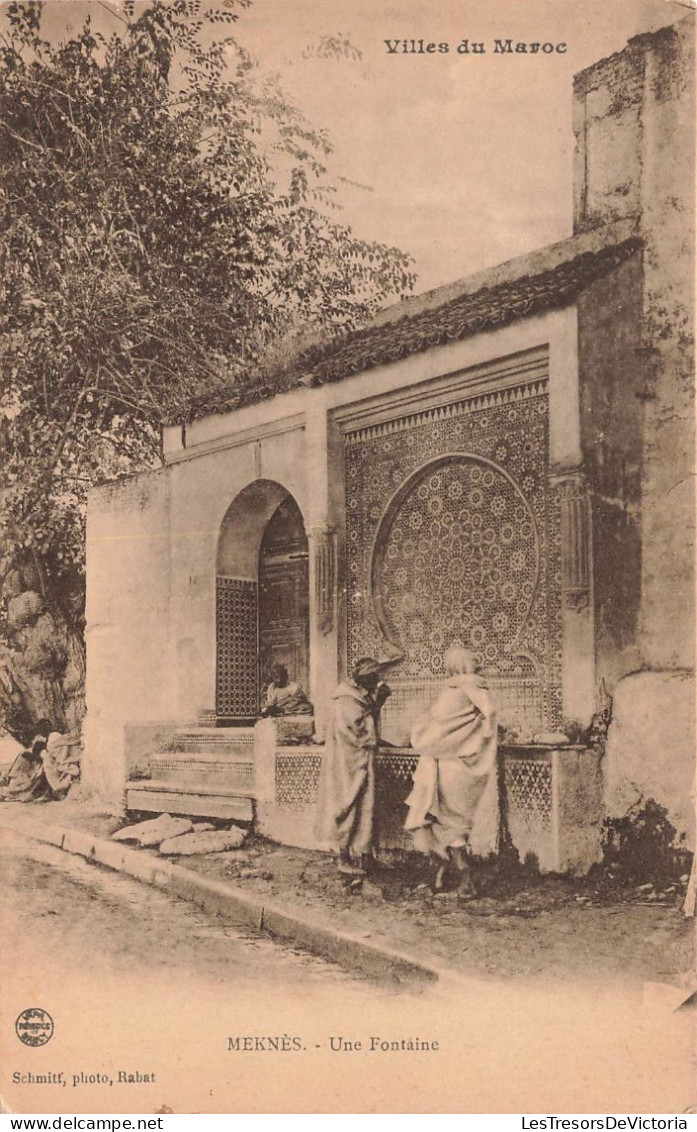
[167, 219]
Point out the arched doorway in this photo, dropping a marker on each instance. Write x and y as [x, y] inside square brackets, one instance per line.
[262, 602]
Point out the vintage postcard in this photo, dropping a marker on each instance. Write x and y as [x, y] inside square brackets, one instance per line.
[347, 579]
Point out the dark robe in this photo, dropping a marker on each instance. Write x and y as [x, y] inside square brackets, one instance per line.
[346, 800]
[25, 780]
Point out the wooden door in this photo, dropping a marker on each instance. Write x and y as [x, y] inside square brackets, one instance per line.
[284, 595]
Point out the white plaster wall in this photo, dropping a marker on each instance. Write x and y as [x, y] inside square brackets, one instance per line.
[129, 674]
[283, 440]
[202, 491]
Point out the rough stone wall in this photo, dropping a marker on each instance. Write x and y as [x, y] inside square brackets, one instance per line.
[635, 139]
[668, 228]
[650, 747]
[612, 412]
[128, 631]
[607, 122]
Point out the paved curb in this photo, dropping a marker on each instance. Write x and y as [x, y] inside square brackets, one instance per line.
[246, 909]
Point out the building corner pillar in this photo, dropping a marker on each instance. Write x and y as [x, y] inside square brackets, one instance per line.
[578, 636]
[323, 618]
[322, 545]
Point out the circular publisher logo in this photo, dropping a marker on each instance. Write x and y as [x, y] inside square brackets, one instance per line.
[34, 1026]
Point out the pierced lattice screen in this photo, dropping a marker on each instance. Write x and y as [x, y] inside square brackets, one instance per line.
[237, 641]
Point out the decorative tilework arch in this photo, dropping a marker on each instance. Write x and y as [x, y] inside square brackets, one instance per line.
[455, 560]
[453, 536]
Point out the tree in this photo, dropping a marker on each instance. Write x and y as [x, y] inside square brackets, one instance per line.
[168, 220]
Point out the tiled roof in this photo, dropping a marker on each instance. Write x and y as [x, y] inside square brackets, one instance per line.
[487, 308]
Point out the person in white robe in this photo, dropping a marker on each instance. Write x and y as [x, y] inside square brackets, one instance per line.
[453, 805]
[61, 762]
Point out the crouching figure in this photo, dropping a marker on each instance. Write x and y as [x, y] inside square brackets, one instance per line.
[284, 696]
[453, 805]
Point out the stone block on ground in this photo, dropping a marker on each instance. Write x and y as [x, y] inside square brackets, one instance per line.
[213, 841]
[154, 830]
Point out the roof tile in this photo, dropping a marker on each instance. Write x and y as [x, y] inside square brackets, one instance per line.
[468, 314]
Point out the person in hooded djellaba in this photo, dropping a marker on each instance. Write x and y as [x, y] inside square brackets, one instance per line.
[346, 799]
[453, 804]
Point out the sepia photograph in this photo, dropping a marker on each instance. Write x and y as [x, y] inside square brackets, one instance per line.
[347, 564]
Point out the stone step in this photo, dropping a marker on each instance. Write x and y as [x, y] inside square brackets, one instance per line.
[202, 768]
[157, 797]
[210, 740]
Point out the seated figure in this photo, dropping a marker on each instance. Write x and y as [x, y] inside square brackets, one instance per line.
[61, 762]
[46, 770]
[284, 696]
[26, 779]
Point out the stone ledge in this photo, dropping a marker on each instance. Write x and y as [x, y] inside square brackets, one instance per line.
[163, 786]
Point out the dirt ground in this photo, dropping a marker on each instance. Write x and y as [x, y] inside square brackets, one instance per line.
[137, 980]
[550, 927]
[521, 926]
[60, 906]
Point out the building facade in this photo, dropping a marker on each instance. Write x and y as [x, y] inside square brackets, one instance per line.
[505, 462]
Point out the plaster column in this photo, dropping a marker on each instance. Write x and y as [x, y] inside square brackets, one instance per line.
[578, 646]
[323, 565]
[667, 635]
[567, 478]
[564, 403]
[323, 583]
